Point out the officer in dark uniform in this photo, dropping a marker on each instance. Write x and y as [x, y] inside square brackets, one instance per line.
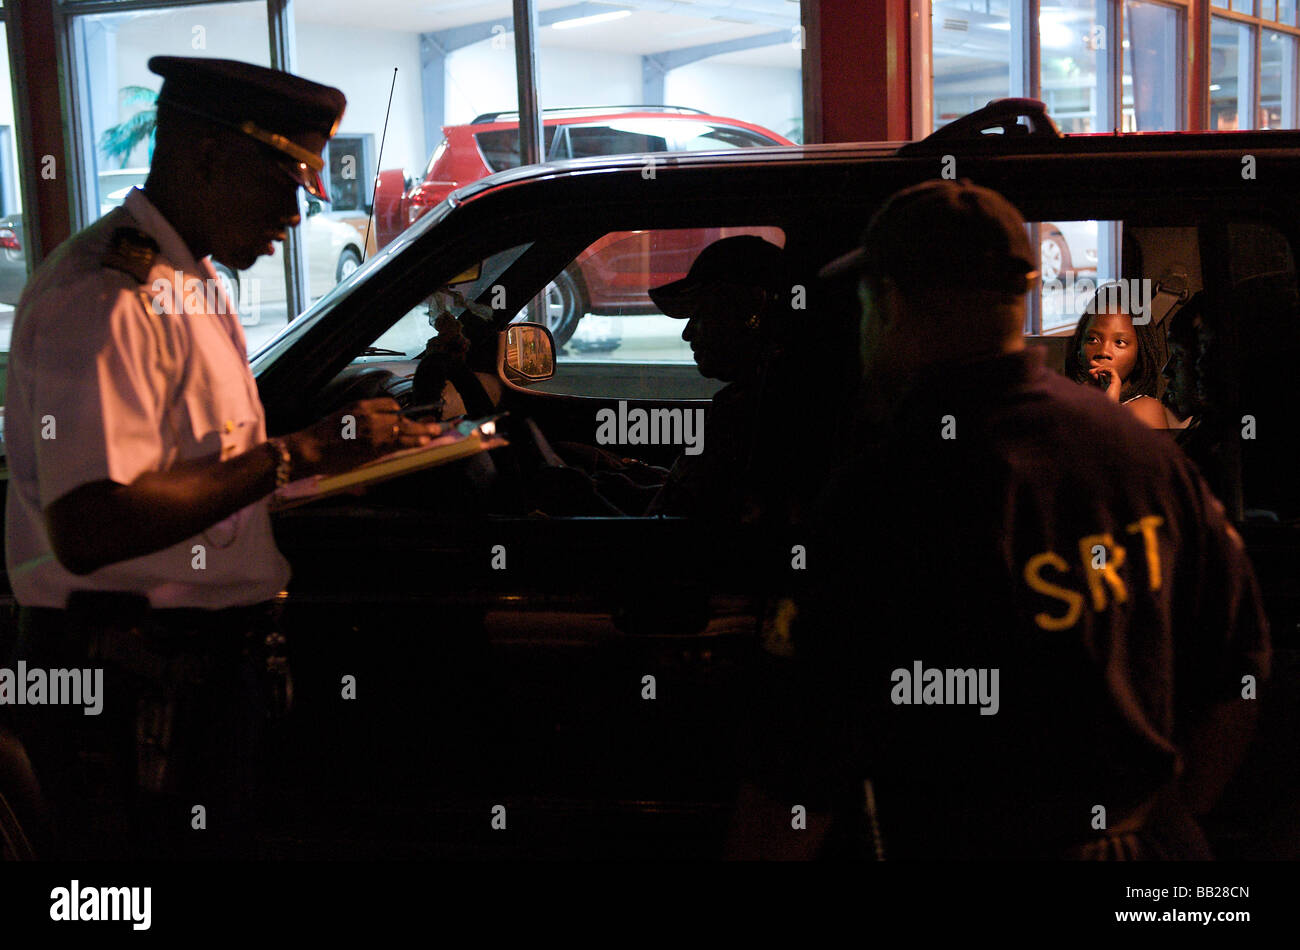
[138, 539]
[1030, 631]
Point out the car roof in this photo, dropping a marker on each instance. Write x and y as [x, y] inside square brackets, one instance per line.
[1218, 144]
[494, 120]
[580, 111]
[780, 154]
[488, 122]
[832, 183]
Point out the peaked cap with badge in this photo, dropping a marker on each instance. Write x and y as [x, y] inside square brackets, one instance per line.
[292, 116]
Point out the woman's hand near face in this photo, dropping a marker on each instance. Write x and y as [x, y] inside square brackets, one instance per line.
[1113, 387]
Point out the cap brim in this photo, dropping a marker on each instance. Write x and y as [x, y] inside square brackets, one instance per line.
[675, 299]
[315, 186]
[309, 180]
[853, 262]
[289, 153]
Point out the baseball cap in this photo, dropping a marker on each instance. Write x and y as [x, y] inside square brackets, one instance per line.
[292, 116]
[745, 259]
[945, 233]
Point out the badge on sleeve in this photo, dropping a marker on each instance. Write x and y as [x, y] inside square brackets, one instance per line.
[132, 251]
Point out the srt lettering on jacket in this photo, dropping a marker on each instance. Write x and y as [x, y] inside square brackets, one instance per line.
[1101, 560]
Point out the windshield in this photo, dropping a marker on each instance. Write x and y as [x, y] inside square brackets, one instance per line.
[286, 337]
[410, 333]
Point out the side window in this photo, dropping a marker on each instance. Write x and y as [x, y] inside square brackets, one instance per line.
[697, 137]
[1068, 272]
[589, 141]
[613, 341]
[558, 149]
[500, 148]
[1150, 272]
[1075, 257]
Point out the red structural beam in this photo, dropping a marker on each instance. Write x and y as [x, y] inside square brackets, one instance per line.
[857, 80]
[42, 145]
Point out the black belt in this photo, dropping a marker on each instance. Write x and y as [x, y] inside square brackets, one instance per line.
[166, 628]
[117, 608]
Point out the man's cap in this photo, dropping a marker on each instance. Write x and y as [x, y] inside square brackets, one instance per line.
[746, 260]
[293, 116]
[948, 234]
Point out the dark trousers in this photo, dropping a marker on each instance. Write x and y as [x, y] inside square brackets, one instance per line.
[168, 767]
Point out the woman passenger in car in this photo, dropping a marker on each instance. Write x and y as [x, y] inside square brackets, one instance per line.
[1120, 358]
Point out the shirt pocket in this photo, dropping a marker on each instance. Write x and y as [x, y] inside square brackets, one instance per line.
[220, 418]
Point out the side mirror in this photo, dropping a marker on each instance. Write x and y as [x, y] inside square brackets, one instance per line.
[313, 207]
[529, 353]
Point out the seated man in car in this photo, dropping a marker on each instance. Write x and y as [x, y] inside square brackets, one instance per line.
[766, 444]
[1189, 394]
[1267, 317]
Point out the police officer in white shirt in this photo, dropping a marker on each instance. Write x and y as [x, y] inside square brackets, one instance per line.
[140, 468]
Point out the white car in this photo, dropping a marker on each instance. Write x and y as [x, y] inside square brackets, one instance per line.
[333, 252]
[1068, 248]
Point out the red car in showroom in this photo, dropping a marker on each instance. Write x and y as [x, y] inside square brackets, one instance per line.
[607, 278]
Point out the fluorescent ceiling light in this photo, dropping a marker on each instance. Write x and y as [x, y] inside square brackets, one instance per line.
[588, 20]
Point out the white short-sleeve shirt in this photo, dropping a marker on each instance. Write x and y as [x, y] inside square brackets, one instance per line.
[110, 378]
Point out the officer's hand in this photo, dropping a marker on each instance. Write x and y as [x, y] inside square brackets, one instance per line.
[1115, 385]
[355, 435]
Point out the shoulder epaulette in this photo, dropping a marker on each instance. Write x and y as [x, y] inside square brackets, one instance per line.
[132, 251]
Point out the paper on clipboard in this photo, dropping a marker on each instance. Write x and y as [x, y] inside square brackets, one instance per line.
[461, 441]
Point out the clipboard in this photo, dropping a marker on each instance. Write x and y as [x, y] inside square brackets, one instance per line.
[465, 438]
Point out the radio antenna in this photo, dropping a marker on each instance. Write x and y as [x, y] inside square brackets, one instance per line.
[379, 163]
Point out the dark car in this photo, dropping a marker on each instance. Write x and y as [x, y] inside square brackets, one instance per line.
[587, 672]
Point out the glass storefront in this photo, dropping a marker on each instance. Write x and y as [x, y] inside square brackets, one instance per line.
[421, 79]
[1253, 81]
